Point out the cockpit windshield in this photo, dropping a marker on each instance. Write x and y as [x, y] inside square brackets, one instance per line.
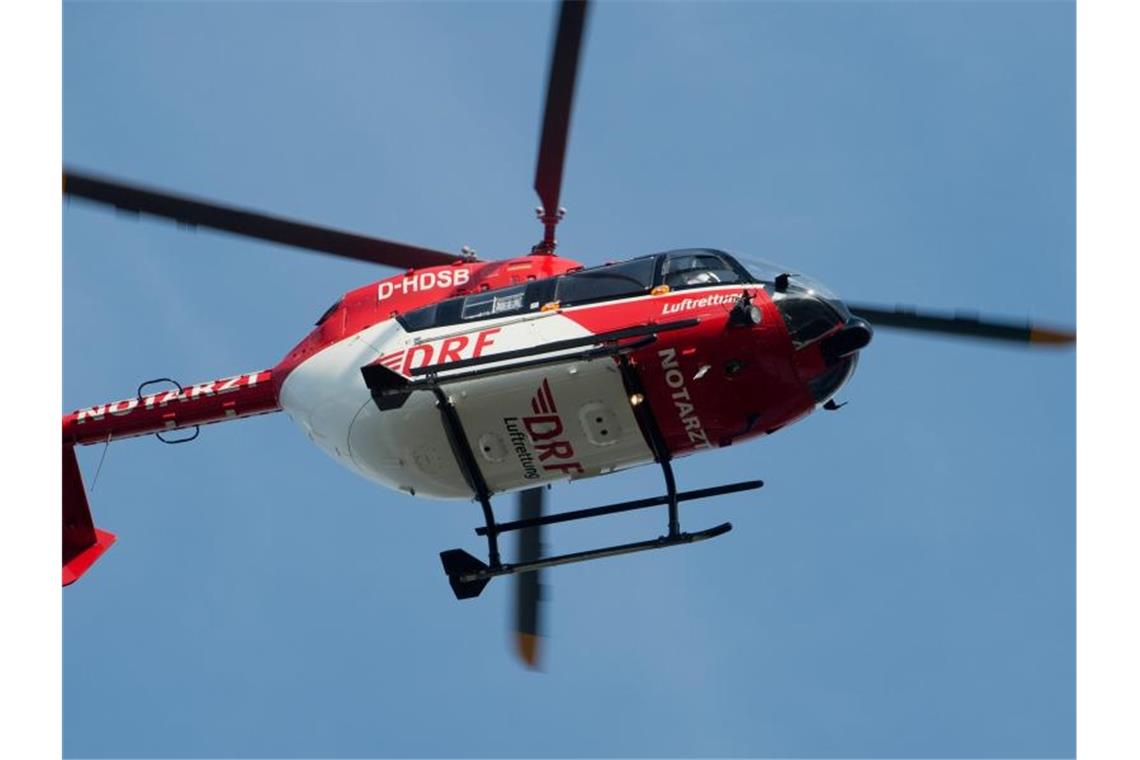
[762, 269]
[807, 317]
[767, 272]
[828, 383]
[792, 284]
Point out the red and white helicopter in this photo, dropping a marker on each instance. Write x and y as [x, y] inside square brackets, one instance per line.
[463, 379]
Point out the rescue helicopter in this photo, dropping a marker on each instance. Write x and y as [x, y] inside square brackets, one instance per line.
[460, 378]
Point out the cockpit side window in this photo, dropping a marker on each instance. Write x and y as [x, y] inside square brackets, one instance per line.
[493, 303]
[424, 317]
[486, 304]
[698, 269]
[627, 278]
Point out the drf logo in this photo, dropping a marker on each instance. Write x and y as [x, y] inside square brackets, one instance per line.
[443, 351]
[545, 430]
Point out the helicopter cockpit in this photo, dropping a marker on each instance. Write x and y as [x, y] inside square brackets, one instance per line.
[815, 316]
[700, 267]
[819, 324]
[809, 308]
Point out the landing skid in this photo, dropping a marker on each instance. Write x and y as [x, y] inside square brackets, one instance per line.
[468, 575]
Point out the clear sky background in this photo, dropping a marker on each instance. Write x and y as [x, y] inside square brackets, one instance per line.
[903, 584]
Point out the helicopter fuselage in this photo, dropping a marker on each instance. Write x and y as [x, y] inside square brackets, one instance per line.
[708, 349]
[709, 385]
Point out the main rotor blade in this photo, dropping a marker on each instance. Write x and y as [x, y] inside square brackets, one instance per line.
[528, 586]
[203, 213]
[907, 318]
[559, 101]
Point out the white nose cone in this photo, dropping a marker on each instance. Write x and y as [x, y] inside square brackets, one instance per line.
[407, 448]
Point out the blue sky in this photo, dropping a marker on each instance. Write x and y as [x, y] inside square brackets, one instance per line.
[904, 583]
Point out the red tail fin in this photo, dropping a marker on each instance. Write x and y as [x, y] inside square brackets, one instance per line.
[83, 543]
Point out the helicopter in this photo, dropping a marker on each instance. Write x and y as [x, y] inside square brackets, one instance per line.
[462, 379]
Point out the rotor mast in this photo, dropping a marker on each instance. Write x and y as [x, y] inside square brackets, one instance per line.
[546, 246]
[556, 120]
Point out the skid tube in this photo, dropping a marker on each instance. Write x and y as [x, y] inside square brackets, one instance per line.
[467, 574]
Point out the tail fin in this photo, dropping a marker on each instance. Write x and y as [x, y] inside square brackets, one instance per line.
[83, 543]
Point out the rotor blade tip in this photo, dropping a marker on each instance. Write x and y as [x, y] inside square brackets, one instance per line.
[1051, 337]
[527, 645]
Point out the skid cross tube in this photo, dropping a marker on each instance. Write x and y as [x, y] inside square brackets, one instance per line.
[625, 506]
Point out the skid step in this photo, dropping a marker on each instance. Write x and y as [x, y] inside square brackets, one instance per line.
[469, 575]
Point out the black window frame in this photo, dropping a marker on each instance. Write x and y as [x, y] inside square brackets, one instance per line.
[541, 292]
[744, 277]
[450, 311]
[583, 274]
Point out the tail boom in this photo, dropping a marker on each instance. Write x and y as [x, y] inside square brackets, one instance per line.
[163, 411]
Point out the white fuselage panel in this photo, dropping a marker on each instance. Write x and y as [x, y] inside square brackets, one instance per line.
[525, 427]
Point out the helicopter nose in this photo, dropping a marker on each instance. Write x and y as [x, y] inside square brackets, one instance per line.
[827, 365]
[855, 335]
